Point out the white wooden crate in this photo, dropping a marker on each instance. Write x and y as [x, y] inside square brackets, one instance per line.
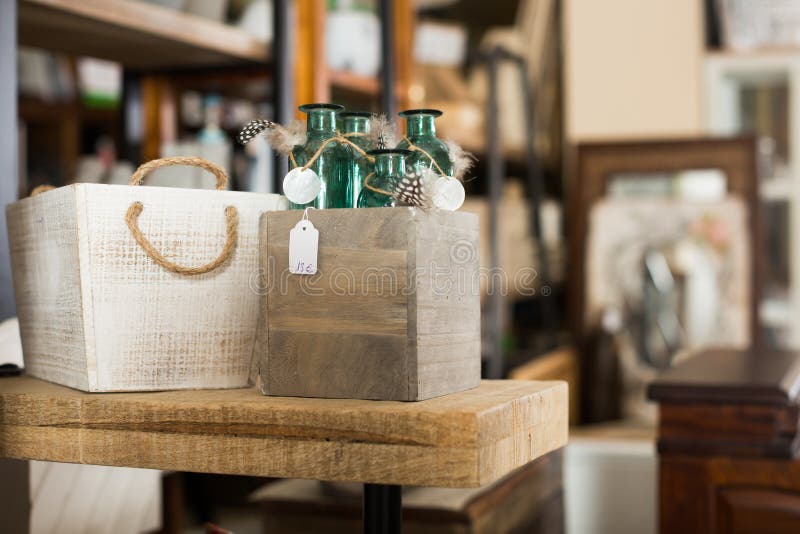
[98, 314]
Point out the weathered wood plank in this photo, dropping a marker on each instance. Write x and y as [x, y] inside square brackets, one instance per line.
[393, 312]
[465, 439]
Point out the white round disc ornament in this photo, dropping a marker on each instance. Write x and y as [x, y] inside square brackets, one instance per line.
[448, 193]
[301, 186]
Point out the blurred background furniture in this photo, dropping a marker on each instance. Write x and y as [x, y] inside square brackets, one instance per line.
[727, 443]
[641, 170]
[610, 347]
[758, 94]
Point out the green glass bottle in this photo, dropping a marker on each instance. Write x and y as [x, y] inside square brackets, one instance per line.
[331, 164]
[390, 167]
[355, 127]
[421, 131]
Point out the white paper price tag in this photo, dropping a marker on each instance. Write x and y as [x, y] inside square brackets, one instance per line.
[303, 242]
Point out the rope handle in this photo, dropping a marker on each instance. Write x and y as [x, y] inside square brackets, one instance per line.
[146, 168]
[231, 216]
[231, 230]
[39, 189]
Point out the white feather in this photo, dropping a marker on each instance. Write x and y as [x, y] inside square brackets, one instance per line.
[462, 160]
[284, 138]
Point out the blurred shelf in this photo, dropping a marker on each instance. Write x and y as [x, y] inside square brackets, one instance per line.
[136, 34]
[354, 83]
[249, 82]
[762, 52]
[36, 110]
[776, 189]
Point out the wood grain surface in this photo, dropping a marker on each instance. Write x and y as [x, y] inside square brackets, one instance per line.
[721, 495]
[465, 439]
[393, 312]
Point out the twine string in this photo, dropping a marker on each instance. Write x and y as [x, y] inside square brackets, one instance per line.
[413, 147]
[136, 208]
[318, 153]
[355, 146]
[336, 138]
[373, 188]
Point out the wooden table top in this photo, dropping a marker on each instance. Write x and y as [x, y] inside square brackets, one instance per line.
[465, 439]
[750, 376]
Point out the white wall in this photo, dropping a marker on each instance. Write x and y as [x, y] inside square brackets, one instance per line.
[633, 68]
[610, 486]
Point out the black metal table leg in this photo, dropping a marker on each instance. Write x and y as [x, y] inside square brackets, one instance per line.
[383, 509]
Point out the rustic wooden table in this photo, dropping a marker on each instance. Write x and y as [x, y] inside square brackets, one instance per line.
[465, 439]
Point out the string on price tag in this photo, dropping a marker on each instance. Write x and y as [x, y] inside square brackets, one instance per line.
[303, 245]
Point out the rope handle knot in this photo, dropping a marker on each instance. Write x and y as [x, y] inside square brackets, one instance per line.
[136, 208]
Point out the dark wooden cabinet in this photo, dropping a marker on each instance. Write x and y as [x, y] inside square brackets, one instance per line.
[728, 443]
[748, 510]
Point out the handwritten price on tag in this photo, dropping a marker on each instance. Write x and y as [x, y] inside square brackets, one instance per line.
[303, 244]
[304, 268]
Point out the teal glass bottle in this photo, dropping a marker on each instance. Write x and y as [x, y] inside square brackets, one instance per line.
[390, 167]
[355, 126]
[331, 164]
[421, 131]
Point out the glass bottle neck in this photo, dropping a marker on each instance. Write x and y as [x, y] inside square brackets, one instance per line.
[355, 125]
[321, 121]
[390, 165]
[420, 125]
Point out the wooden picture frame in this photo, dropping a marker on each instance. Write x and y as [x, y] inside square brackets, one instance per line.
[595, 164]
[598, 161]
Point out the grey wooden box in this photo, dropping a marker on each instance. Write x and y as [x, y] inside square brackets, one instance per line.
[393, 312]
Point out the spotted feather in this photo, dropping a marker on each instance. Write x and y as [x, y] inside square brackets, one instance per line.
[253, 129]
[411, 191]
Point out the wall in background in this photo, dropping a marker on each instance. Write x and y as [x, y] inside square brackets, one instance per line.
[8, 148]
[633, 68]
